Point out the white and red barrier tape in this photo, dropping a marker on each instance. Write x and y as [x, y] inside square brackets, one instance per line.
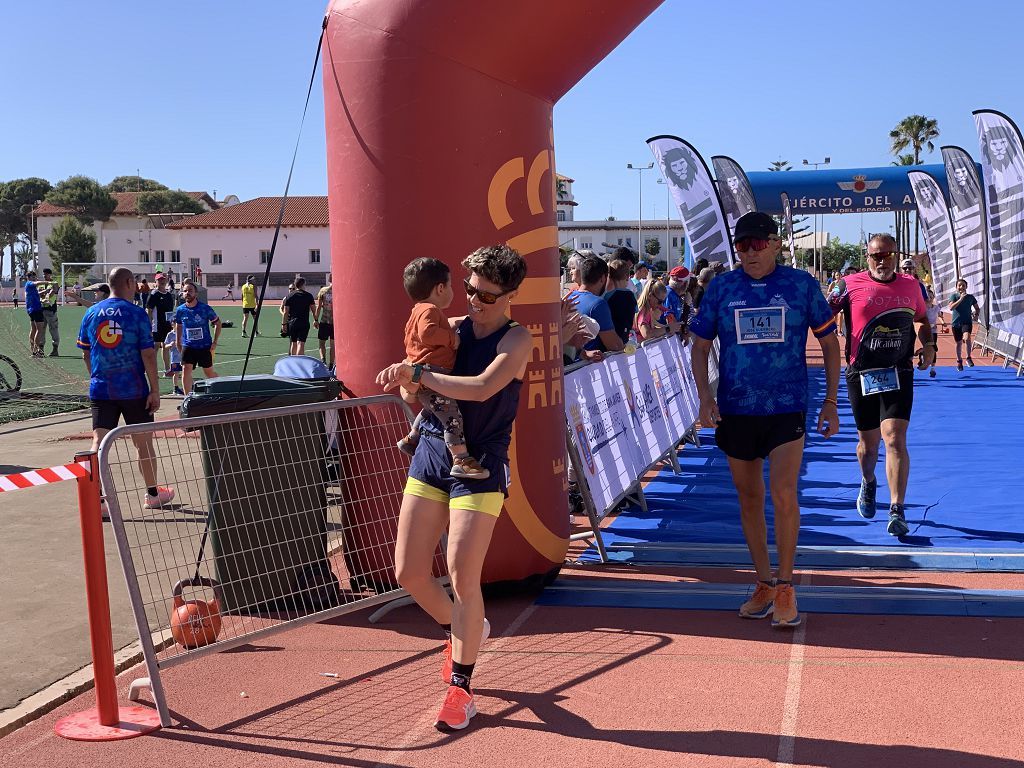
[43, 476]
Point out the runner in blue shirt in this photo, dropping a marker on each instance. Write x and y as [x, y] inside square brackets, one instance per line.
[117, 347]
[37, 320]
[761, 315]
[192, 332]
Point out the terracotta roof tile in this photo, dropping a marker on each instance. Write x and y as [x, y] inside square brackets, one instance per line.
[126, 204]
[261, 212]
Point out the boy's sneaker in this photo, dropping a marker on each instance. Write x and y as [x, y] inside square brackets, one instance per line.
[866, 498]
[932, 373]
[897, 521]
[179, 391]
[408, 443]
[446, 665]
[457, 710]
[468, 468]
[760, 603]
[959, 365]
[970, 362]
[785, 614]
[163, 495]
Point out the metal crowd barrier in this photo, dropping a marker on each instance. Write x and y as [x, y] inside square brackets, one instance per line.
[994, 342]
[281, 517]
[596, 513]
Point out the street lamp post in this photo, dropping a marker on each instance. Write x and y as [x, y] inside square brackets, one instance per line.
[817, 256]
[668, 213]
[640, 220]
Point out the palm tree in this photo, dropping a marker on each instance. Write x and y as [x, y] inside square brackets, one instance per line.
[903, 217]
[916, 132]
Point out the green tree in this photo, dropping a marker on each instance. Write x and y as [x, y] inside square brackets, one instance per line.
[653, 246]
[86, 198]
[835, 254]
[168, 201]
[21, 257]
[134, 184]
[71, 241]
[17, 199]
[915, 132]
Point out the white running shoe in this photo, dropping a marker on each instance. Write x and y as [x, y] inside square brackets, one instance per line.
[163, 495]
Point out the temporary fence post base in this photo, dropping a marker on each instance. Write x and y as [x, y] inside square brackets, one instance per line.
[86, 726]
[106, 721]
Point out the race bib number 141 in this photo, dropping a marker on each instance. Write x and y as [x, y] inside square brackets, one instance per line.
[760, 325]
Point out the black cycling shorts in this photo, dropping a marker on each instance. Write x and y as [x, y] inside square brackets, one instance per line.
[325, 331]
[754, 437]
[249, 311]
[106, 413]
[197, 357]
[37, 316]
[869, 411]
[960, 330]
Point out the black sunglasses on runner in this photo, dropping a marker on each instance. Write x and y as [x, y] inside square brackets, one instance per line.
[882, 255]
[486, 297]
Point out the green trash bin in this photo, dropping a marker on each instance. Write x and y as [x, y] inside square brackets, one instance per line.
[266, 485]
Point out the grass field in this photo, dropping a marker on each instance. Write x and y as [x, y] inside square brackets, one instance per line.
[57, 384]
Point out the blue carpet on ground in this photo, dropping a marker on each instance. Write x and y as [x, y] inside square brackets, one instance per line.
[903, 601]
[964, 501]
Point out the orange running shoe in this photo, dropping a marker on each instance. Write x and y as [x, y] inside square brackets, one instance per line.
[457, 710]
[760, 603]
[446, 665]
[785, 614]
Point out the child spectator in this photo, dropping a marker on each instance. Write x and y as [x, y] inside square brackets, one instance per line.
[171, 345]
[430, 343]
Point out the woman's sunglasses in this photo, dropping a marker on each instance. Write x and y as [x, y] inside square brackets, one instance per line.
[486, 297]
[753, 244]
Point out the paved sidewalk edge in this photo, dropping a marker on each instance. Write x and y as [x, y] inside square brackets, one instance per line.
[38, 704]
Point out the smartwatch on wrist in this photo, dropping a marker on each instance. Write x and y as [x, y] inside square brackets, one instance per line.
[417, 373]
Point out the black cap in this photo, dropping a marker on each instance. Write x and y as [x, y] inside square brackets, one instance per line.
[755, 224]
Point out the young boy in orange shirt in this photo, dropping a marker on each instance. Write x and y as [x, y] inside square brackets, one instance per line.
[431, 343]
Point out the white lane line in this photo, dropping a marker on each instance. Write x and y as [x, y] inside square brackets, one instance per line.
[791, 705]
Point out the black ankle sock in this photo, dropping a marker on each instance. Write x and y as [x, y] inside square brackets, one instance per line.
[784, 581]
[461, 674]
[768, 583]
[447, 628]
[152, 491]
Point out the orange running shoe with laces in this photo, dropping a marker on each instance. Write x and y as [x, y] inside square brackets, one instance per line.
[785, 614]
[760, 603]
[457, 710]
[446, 665]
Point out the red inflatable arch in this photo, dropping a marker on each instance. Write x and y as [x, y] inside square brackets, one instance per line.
[439, 140]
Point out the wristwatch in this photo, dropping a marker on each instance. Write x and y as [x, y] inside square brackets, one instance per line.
[417, 372]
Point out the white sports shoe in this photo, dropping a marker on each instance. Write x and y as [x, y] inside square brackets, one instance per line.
[163, 495]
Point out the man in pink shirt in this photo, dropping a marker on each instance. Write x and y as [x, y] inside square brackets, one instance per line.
[880, 308]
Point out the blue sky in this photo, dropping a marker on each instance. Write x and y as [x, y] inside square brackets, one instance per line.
[208, 95]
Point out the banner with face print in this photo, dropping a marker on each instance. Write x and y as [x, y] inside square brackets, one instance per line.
[1002, 163]
[733, 189]
[787, 215]
[937, 228]
[694, 193]
[965, 207]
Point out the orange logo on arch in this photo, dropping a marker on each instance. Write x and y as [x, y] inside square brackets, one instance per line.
[109, 334]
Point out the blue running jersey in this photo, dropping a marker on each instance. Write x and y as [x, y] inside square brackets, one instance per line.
[195, 325]
[115, 332]
[762, 325]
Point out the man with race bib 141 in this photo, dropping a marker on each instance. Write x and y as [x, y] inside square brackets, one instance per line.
[192, 333]
[762, 314]
[880, 307]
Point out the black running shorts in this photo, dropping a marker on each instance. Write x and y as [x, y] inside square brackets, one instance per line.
[754, 437]
[106, 413]
[199, 358]
[960, 330]
[869, 411]
[325, 331]
[298, 330]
